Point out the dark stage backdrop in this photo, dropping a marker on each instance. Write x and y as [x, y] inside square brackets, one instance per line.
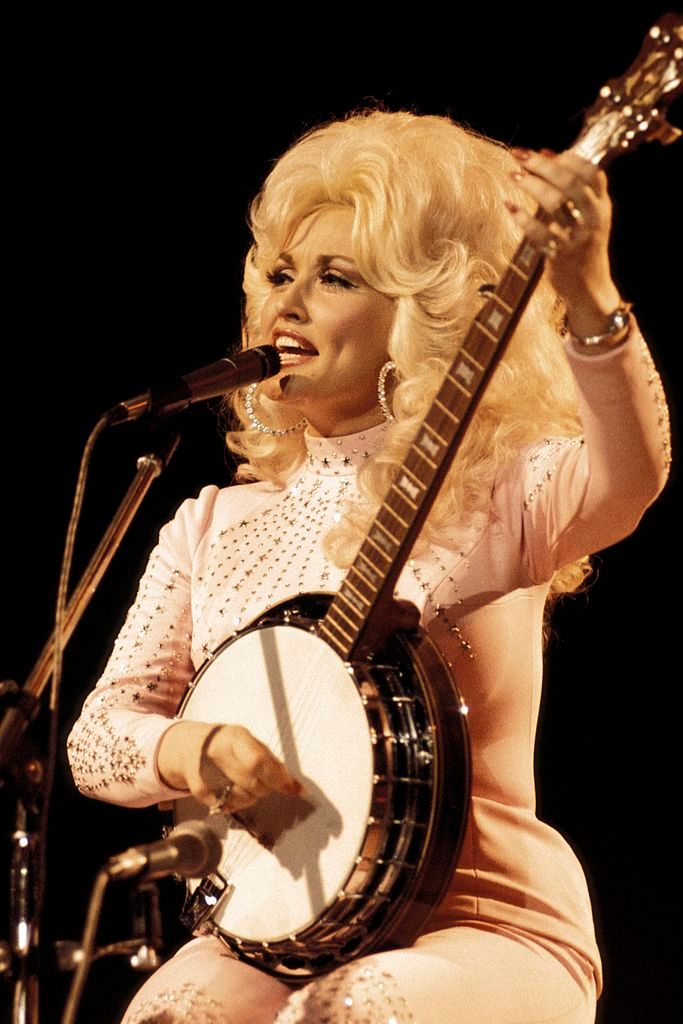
[131, 190]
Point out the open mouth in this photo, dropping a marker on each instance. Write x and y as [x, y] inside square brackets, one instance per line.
[294, 349]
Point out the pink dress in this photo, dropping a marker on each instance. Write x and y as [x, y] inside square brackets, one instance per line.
[513, 940]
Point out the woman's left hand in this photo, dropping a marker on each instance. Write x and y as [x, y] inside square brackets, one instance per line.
[573, 192]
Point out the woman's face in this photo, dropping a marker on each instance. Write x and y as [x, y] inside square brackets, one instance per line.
[330, 327]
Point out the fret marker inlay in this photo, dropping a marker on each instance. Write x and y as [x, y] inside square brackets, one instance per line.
[380, 539]
[368, 570]
[409, 487]
[426, 442]
[352, 599]
[464, 371]
[495, 318]
[527, 254]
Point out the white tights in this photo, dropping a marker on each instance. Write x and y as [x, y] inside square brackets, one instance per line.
[469, 974]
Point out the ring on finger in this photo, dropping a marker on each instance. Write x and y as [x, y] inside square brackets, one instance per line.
[551, 248]
[221, 804]
[572, 213]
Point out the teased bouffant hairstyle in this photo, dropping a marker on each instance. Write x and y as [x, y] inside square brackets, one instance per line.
[430, 228]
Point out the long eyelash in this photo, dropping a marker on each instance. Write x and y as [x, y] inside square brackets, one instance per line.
[275, 276]
[279, 277]
[336, 280]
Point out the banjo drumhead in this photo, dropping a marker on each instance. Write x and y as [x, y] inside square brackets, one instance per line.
[295, 694]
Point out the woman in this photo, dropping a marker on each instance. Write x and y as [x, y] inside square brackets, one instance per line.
[374, 237]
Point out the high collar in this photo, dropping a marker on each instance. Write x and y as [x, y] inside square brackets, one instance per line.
[341, 456]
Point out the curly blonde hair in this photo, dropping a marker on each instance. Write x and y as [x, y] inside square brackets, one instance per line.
[429, 229]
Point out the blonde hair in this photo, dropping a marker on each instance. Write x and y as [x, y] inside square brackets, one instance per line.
[429, 229]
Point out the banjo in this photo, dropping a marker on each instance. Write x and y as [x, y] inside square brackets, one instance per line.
[359, 862]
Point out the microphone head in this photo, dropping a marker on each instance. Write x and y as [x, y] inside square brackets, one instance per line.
[199, 849]
[272, 362]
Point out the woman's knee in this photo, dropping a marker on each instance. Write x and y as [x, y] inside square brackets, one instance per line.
[353, 994]
[203, 982]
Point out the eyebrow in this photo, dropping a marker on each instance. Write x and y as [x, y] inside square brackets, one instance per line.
[322, 260]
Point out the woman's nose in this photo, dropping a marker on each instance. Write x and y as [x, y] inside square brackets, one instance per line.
[291, 304]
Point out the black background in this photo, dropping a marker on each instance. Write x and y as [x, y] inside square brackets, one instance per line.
[131, 176]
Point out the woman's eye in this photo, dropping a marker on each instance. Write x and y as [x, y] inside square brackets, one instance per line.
[277, 277]
[281, 277]
[335, 280]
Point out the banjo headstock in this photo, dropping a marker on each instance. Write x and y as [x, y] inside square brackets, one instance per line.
[632, 108]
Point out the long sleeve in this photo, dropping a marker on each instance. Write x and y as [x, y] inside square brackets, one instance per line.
[575, 496]
[112, 746]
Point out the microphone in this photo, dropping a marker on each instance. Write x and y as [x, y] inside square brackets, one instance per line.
[192, 849]
[210, 381]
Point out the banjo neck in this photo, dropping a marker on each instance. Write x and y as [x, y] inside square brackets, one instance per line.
[371, 579]
[629, 110]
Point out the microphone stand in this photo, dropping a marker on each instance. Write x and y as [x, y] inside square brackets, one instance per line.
[20, 761]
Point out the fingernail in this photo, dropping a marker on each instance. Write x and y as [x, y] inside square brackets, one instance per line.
[516, 175]
[520, 153]
[548, 152]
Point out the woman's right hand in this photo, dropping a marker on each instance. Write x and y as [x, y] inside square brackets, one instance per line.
[206, 759]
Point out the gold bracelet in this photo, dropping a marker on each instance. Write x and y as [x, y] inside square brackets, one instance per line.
[618, 328]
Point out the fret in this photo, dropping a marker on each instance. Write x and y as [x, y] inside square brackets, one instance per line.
[338, 611]
[356, 602]
[464, 352]
[423, 456]
[371, 575]
[421, 484]
[510, 290]
[485, 330]
[436, 433]
[482, 348]
[457, 384]
[395, 515]
[378, 522]
[328, 621]
[498, 298]
[519, 271]
[382, 553]
[403, 497]
[444, 408]
[348, 583]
